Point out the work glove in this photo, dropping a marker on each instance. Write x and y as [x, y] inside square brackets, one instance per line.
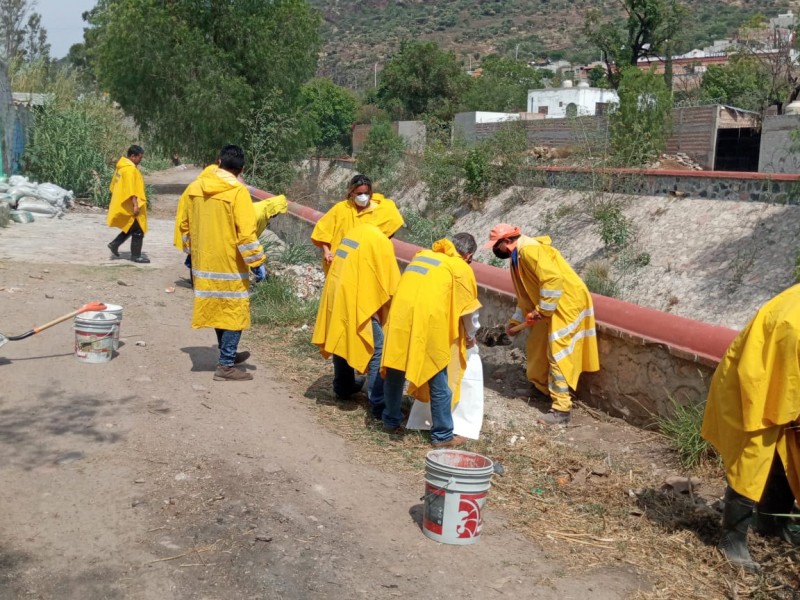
[259, 273]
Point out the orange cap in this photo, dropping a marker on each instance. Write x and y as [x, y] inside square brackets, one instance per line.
[500, 232]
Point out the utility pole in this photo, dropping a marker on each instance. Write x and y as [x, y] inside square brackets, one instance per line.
[375, 77]
[516, 52]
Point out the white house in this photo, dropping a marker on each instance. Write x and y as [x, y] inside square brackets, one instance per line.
[569, 101]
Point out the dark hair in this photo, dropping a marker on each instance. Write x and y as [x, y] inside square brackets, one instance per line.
[135, 151]
[465, 243]
[358, 181]
[231, 158]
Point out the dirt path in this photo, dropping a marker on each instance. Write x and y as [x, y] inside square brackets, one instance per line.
[143, 478]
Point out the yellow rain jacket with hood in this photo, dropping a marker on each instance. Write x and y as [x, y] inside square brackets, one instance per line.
[362, 280]
[753, 407]
[544, 281]
[178, 237]
[218, 228]
[344, 215]
[424, 333]
[126, 182]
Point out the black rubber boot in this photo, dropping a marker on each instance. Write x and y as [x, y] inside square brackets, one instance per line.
[117, 242]
[777, 499]
[136, 249]
[736, 520]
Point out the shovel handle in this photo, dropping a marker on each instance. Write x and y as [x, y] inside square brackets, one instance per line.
[96, 306]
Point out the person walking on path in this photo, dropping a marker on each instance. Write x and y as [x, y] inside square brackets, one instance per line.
[127, 209]
[752, 418]
[564, 344]
[432, 321]
[361, 206]
[353, 307]
[218, 230]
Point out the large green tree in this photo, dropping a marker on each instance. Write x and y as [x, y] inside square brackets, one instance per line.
[332, 110]
[502, 86]
[422, 79]
[650, 28]
[191, 72]
[745, 82]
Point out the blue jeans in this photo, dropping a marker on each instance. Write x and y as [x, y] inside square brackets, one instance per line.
[441, 398]
[344, 376]
[228, 343]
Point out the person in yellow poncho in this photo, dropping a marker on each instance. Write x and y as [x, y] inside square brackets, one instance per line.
[265, 209]
[433, 310]
[127, 209]
[564, 344]
[353, 306]
[752, 418]
[360, 206]
[218, 229]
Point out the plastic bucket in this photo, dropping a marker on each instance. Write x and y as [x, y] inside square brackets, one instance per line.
[456, 485]
[115, 309]
[94, 336]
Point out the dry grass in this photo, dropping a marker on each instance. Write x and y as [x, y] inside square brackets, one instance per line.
[590, 509]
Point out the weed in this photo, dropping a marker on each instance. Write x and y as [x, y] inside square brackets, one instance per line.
[274, 303]
[423, 231]
[597, 277]
[682, 428]
[796, 271]
[297, 252]
[616, 230]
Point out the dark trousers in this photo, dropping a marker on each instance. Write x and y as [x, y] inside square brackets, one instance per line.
[135, 231]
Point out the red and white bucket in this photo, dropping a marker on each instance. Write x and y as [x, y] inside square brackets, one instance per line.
[456, 485]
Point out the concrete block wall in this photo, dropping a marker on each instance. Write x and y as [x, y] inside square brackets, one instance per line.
[649, 359]
[776, 155]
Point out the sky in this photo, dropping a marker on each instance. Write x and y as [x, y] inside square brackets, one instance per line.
[62, 20]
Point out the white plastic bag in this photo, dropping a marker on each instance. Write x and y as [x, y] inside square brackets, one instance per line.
[468, 413]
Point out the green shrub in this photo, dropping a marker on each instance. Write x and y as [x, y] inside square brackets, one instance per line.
[616, 230]
[423, 231]
[597, 277]
[682, 428]
[273, 302]
[382, 151]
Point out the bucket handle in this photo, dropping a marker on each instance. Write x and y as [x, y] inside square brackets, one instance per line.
[450, 482]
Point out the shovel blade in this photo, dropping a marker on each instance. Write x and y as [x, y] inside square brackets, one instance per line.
[3, 340]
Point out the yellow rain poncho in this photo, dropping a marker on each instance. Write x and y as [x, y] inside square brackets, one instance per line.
[126, 182]
[218, 228]
[544, 281]
[266, 209]
[755, 396]
[424, 333]
[178, 238]
[344, 215]
[364, 276]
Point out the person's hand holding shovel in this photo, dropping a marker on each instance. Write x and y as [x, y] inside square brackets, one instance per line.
[531, 319]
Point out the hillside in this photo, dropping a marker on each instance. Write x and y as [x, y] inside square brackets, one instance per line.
[360, 34]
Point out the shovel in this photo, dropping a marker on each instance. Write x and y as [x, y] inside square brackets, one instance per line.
[95, 306]
[520, 326]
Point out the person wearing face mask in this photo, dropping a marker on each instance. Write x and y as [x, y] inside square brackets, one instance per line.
[362, 206]
[556, 306]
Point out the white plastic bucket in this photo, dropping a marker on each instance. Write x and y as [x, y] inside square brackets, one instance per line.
[94, 336]
[115, 309]
[456, 485]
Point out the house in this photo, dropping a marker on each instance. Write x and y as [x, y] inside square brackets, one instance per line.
[570, 101]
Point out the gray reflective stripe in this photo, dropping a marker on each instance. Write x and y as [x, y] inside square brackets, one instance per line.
[567, 329]
[557, 377]
[353, 244]
[254, 258]
[429, 261]
[186, 238]
[341, 253]
[248, 247]
[550, 293]
[548, 305]
[220, 276]
[187, 250]
[416, 269]
[558, 388]
[567, 351]
[517, 316]
[233, 295]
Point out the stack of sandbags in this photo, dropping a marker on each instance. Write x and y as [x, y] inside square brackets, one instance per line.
[45, 199]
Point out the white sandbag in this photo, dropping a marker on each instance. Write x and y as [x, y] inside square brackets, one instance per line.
[3, 187]
[19, 191]
[21, 216]
[468, 413]
[38, 206]
[15, 180]
[54, 194]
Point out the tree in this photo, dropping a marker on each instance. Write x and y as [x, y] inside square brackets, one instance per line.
[421, 79]
[22, 39]
[641, 123]
[744, 83]
[650, 30]
[502, 86]
[189, 71]
[333, 111]
[382, 151]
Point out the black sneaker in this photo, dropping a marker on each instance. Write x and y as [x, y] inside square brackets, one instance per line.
[556, 417]
[114, 249]
[139, 259]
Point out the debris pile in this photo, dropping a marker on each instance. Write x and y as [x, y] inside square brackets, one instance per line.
[679, 160]
[27, 198]
[308, 279]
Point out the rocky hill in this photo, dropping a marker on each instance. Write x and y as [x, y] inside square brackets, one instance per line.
[360, 35]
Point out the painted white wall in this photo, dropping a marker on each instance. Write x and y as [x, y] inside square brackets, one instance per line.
[558, 99]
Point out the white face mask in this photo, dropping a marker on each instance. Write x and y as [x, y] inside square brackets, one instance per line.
[362, 199]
